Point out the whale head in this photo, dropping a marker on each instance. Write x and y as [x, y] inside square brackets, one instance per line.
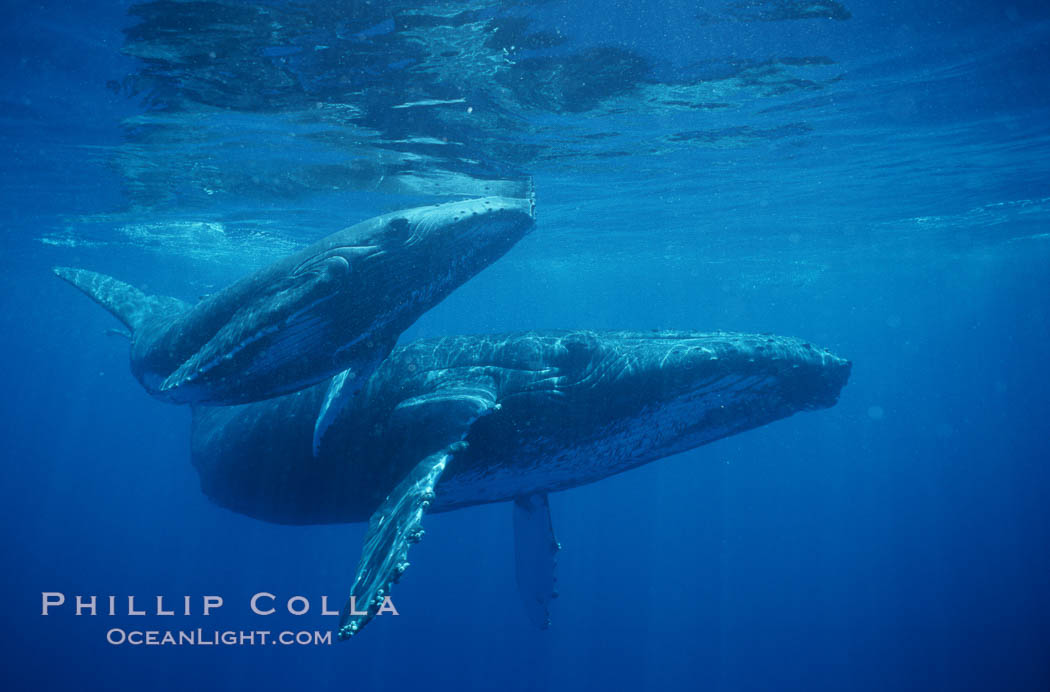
[598, 403]
[573, 407]
[342, 303]
[672, 391]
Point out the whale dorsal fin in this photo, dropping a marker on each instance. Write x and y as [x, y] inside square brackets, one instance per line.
[535, 556]
[127, 303]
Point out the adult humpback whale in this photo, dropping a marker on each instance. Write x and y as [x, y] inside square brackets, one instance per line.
[457, 421]
[337, 306]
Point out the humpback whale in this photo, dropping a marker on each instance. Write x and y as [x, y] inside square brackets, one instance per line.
[337, 306]
[457, 421]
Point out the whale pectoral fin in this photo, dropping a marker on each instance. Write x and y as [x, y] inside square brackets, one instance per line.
[535, 556]
[393, 528]
[444, 415]
[341, 391]
[438, 418]
[262, 342]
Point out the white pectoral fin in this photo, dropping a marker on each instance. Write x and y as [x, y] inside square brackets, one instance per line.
[393, 528]
[535, 556]
[454, 406]
[341, 390]
[441, 420]
[444, 415]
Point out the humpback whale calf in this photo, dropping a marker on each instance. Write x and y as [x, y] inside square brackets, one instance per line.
[337, 306]
[457, 421]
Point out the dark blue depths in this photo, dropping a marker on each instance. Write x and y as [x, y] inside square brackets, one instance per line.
[871, 177]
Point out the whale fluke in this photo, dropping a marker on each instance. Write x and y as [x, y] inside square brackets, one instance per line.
[127, 303]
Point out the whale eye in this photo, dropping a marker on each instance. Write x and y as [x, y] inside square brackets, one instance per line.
[580, 349]
[397, 232]
[335, 267]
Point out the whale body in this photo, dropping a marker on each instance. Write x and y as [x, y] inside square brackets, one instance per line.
[458, 421]
[337, 306]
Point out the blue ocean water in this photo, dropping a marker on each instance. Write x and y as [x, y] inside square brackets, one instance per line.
[872, 177]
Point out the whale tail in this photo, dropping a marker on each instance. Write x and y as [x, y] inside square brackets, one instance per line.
[127, 303]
